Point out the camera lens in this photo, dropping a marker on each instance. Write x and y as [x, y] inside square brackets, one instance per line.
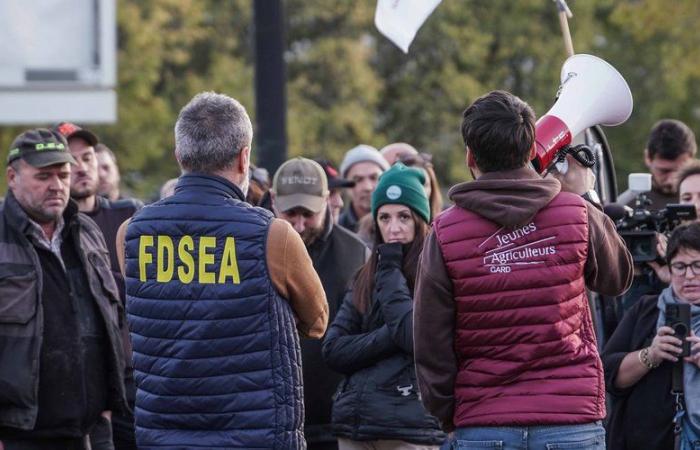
[680, 329]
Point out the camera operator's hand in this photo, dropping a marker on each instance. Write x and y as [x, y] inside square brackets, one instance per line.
[662, 271]
[665, 346]
[694, 357]
[577, 179]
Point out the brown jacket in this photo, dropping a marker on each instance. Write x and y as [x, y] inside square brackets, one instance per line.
[509, 198]
[291, 272]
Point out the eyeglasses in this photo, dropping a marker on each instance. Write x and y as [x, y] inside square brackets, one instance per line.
[420, 160]
[680, 269]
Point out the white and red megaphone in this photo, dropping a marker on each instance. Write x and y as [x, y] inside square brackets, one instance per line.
[591, 93]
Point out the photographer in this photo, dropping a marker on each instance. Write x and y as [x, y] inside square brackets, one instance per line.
[671, 145]
[653, 276]
[640, 356]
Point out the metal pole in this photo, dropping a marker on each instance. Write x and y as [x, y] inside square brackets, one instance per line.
[270, 143]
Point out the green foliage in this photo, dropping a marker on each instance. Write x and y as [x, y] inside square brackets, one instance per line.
[348, 85]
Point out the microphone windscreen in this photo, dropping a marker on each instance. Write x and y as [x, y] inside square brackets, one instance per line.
[615, 211]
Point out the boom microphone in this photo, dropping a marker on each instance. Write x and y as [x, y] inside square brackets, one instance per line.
[591, 93]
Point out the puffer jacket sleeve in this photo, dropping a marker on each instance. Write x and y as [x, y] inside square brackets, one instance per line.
[392, 293]
[347, 349]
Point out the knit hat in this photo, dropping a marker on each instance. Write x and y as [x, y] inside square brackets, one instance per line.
[362, 153]
[404, 186]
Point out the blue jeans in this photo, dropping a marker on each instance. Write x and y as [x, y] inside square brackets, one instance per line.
[580, 437]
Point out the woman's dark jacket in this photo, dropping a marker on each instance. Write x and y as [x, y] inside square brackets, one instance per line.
[642, 415]
[378, 397]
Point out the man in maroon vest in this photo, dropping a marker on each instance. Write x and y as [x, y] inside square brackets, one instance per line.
[504, 344]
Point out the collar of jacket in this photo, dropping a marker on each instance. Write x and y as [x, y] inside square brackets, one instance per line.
[350, 216]
[18, 219]
[209, 183]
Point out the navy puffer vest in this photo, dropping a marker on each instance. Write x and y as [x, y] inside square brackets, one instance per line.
[216, 352]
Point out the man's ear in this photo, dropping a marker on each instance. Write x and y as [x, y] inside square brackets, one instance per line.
[647, 159]
[471, 161]
[11, 175]
[533, 151]
[244, 160]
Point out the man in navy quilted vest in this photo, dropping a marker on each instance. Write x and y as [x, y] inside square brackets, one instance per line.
[218, 293]
[504, 342]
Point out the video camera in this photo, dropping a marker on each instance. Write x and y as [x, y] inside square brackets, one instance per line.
[639, 226]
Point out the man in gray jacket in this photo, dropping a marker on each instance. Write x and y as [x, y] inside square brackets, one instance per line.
[61, 359]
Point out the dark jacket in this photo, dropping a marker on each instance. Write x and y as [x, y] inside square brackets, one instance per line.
[216, 349]
[336, 254]
[348, 219]
[379, 398]
[642, 415]
[22, 314]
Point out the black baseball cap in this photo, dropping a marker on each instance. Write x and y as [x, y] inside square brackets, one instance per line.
[40, 148]
[71, 130]
[334, 179]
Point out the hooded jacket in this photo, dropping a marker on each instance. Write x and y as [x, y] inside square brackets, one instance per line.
[503, 334]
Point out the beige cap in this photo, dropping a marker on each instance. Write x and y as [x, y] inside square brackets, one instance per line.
[300, 182]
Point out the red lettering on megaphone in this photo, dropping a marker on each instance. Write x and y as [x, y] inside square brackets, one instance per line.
[551, 134]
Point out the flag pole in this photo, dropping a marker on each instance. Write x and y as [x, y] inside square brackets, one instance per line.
[564, 16]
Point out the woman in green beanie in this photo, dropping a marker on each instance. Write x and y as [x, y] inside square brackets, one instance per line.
[371, 339]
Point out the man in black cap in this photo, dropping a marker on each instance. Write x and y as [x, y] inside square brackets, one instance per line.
[335, 186]
[108, 215]
[300, 196]
[61, 356]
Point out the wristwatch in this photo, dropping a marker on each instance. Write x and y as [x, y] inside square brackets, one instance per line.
[592, 198]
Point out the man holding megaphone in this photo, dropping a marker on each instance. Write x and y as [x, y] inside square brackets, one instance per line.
[503, 337]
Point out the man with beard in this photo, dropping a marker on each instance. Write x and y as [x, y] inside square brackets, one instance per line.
[300, 196]
[61, 357]
[109, 178]
[108, 216]
[671, 144]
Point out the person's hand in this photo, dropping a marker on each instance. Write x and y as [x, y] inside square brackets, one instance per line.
[577, 179]
[694, 357]
[665, 346]
[661, 243]
[662, 271]
[391, 253]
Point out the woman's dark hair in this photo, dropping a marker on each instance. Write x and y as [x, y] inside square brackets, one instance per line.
[689, 169]
[363, 285]
[684, 237]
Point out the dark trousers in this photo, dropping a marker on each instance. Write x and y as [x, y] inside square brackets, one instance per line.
[46, 444]
[322, 445]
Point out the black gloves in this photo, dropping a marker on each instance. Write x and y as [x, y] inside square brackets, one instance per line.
[390, 254]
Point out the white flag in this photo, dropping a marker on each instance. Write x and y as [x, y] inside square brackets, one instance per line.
[399, 20]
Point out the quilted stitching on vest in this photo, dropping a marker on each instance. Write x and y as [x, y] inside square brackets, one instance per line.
[524, 338]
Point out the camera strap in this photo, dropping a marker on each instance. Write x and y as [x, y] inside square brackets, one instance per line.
[679, 403]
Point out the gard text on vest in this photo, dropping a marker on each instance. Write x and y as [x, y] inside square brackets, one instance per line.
[515, 249]
[194, 262]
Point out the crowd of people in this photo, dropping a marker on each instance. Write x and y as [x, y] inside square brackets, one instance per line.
[340, 307]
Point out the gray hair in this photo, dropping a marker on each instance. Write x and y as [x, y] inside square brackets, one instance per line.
[210, 132]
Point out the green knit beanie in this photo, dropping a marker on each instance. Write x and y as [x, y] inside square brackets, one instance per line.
[404, 186]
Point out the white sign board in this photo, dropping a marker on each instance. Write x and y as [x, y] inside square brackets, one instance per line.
[57, 61]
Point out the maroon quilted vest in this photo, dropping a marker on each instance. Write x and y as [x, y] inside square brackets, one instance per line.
[524, 339]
